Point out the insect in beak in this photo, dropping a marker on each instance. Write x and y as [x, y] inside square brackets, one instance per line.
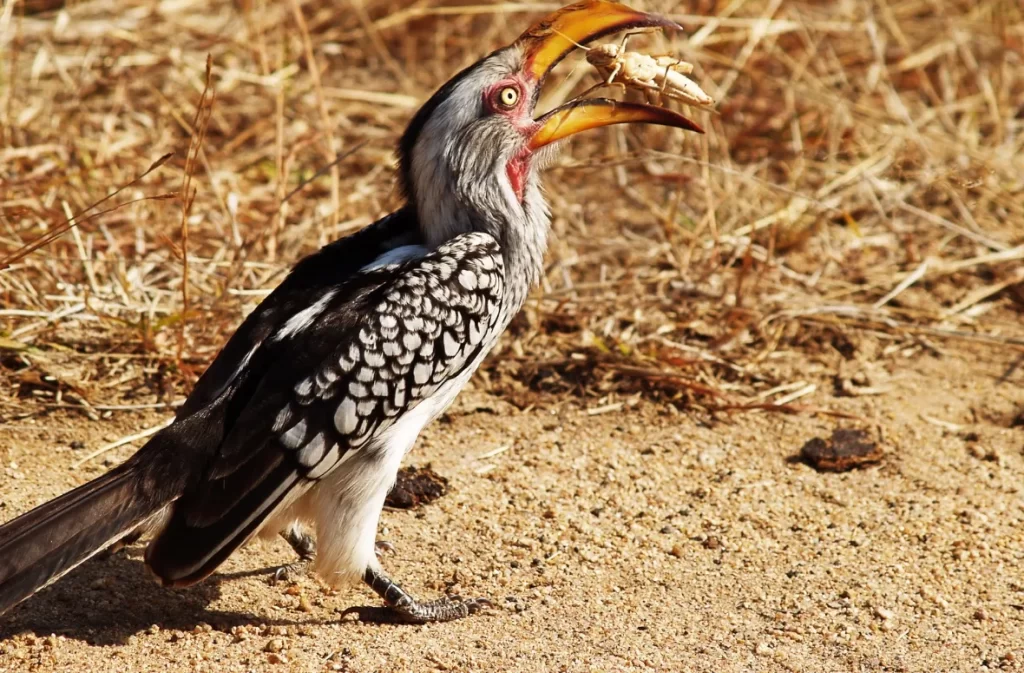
[549, 40]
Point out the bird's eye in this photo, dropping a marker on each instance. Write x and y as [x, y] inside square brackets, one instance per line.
[508, 96]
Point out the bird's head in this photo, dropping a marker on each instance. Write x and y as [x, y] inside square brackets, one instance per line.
[470, 158]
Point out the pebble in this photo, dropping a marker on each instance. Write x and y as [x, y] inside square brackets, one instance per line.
[274, 645]
[884, 613]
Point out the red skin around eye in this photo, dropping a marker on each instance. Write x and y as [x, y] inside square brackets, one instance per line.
[519, 117]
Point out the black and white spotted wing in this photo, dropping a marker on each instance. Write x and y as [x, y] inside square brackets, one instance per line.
[335, 376]
[417, 332]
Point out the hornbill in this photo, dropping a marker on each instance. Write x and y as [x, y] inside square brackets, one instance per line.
[308, 410]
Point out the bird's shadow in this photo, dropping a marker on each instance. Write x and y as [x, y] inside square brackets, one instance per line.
[107, 600]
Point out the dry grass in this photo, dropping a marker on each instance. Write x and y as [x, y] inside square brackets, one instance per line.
[859, 194]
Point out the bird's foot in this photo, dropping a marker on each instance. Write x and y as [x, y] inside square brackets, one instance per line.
[406, 608]
[381, 546]
[305, 546]
[290, 572]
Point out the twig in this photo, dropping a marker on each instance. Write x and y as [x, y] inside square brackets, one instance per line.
[200, 122]
[911, 278]
[128, 439]
[60, 229]
[337, 160]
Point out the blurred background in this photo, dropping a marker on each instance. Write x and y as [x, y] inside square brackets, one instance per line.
[862, 170]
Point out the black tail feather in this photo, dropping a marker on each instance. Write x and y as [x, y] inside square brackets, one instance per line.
[185, 552]
[40, 546]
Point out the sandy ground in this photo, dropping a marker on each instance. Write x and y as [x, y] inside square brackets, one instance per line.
[637, 540]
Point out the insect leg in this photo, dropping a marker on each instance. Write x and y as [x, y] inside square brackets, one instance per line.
[616, 69]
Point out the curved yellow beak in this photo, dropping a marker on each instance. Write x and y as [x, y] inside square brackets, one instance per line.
[592, 113]
[549, 40]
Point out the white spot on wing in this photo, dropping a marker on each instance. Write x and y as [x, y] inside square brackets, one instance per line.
[313, 451]
[304, 387]
[282, 419]
[304, 318]
[325, 465]
[451, 346]
[295, 436]
[345, 418]
[421, 372]
[467, 279]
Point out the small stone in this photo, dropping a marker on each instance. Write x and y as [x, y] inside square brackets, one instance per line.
[763, 649]
[416, 486]
[846, 450]
[304, 604]
[884, 613]
[275, 658]
[274, 645]
[980, 615]
[676, 551]
[712, 543]
[102, 584]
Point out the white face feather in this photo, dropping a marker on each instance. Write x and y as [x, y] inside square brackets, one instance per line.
[458, 171]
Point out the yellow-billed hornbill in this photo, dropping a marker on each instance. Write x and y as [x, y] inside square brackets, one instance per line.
[308, 410]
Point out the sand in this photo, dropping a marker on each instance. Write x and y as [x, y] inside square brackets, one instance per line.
[641, 539]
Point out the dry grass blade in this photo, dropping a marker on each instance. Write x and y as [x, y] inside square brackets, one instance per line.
[200, 124]
[858, 191]
[77, 219]
[329, 167]
[127, 439]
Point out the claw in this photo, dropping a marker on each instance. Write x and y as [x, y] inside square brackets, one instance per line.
[290, 572]
[381, 546]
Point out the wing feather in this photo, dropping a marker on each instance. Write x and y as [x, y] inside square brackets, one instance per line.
[385, 341]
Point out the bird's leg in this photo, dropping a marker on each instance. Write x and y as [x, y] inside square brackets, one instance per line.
[443, 609]
[304, 545]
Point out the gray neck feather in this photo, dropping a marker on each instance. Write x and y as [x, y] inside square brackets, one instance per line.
[460, 184]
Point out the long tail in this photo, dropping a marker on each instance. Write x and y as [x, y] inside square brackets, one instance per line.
[40, 546]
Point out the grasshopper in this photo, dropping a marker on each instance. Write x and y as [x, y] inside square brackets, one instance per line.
[662, 74]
